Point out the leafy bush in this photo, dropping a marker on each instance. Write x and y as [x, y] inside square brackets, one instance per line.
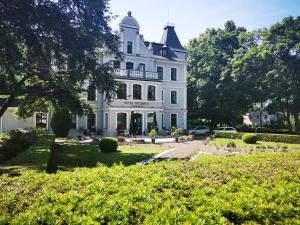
[261, 188]
[108, 144]
[231, 144]
[250, 138]
[153, 133]
[176, 132]
[15, 142]
[61, 122]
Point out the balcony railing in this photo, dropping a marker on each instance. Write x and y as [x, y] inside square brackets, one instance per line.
[137, 74]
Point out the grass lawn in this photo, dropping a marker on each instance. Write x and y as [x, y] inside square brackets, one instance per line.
[240, 143]
[80, 156]
[258, 188]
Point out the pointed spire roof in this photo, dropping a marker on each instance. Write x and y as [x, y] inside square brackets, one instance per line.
[170, 38]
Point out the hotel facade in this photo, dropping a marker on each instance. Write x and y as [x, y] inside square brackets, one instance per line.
[152, 78]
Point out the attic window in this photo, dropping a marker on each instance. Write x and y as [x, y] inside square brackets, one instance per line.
[129, 47]
[164, 52]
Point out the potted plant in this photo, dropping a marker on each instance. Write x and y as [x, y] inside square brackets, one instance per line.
[176, 133]
[153, 134]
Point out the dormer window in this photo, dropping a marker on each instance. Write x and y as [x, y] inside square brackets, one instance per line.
[129, 47]
[165, 52]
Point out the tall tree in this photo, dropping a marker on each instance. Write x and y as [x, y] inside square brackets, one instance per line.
[270, 69]
[48, 49]
[211, 88]
[282, 40]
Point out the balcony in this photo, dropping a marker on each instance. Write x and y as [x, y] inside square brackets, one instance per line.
[137, 75]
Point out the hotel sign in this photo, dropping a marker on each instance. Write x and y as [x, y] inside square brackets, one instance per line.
[137, 104]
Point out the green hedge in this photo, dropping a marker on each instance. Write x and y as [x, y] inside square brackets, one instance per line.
[249, 129]
[285, 138]
[108, 144]
[15, 142]
[252, 189]
[220, 134]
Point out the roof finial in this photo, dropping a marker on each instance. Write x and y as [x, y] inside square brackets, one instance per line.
[129, 13]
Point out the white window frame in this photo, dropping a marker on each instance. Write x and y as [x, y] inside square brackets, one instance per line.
[176, 97]
[141, 91]
[127, 124]
[126, 92]
[146, 125]
[163, 70]
[141, 63]
[132, 42]
[155, 85]
[86, 121]
[173, 67]
[171, 119]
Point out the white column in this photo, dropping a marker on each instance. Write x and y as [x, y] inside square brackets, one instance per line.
[137, 43]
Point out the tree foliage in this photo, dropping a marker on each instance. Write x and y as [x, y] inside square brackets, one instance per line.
[211, 86]
[48, 49]
[231, 70]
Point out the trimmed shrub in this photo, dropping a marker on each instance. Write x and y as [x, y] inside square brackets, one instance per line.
[220, 134]
[250, 138]
[15, 142]
[272, 131]
[61, 122]
[108, 144]
[285, 138]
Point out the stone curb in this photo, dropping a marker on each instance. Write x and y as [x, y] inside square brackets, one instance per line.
[156, 156]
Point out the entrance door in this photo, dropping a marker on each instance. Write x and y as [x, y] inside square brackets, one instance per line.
[138, 124]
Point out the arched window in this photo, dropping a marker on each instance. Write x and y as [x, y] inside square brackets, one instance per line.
[137, 91]
[122, 91]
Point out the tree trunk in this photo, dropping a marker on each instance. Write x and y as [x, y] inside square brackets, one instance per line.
[297, 125]
[6, 104]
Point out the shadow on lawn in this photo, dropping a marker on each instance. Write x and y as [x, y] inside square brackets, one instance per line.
[34, 158]
[72, 156]
[83, 156]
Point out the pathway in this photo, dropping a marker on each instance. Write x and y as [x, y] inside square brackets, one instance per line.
[183, 150]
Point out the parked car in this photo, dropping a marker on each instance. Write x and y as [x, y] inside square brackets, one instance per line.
[201, 130]
[226, 129]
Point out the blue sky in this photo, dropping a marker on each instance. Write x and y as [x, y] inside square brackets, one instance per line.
[192, 17]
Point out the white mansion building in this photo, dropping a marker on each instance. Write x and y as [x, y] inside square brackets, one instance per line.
[153, 78]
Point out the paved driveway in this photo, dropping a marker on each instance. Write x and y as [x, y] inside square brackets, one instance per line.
[183, 150]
